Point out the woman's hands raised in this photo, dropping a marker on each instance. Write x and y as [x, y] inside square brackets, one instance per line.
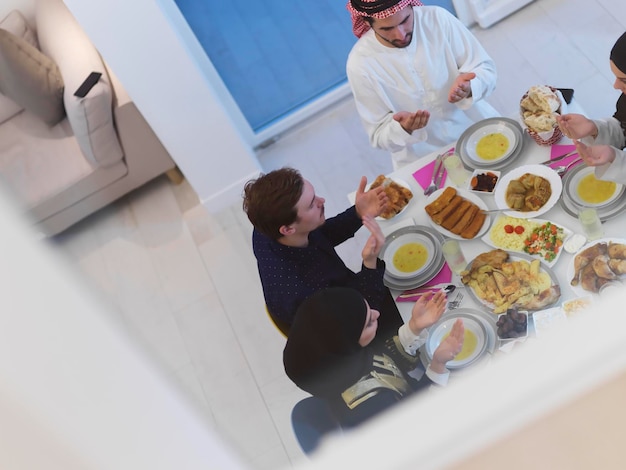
[427, 311]
[448, 348]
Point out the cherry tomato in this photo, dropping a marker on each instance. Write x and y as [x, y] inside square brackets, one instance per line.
[519, 229]
[508, 228]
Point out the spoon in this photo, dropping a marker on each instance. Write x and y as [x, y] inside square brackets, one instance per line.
[561, 170]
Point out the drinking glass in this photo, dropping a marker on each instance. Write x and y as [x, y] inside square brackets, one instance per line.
[590, 222]
[456, 171]
[454, 256]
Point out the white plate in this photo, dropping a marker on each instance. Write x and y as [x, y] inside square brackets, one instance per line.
[470, 197]
[578, 289]
[472, 327]
[556, 185]
[513, 256]
[406, 185]
[566, 234]
[573, 193]
[402, 240]
[474, 139]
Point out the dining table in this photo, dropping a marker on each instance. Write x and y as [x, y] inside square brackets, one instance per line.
[415, 214]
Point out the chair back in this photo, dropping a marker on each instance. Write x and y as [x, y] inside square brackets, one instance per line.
[280, 325]
[311, 420]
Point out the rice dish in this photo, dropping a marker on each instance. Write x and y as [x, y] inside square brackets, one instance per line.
[513, 241]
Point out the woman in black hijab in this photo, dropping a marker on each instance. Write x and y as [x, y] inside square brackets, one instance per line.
[605, 139]
[331, 352]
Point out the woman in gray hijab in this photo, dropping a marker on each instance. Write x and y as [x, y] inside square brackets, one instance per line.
[601, 142]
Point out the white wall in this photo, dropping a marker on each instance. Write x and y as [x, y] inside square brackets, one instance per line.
[169, 83]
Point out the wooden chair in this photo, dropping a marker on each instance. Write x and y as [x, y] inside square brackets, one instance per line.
[281, 326]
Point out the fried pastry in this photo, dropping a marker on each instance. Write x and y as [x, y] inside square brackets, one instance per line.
[398, 196]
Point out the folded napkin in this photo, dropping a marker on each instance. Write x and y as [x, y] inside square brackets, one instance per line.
[558, 150]
[425, 174]
[443, 277]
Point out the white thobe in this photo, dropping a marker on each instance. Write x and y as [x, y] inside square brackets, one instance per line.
[385, 80]
[610, 132]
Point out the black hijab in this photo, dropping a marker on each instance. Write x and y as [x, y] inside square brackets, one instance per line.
[323, 355]
[618, 57]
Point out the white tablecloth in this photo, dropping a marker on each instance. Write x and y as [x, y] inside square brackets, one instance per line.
[532, 153]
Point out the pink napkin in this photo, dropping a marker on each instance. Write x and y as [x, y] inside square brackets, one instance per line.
[425, 174]
[444, 276]
[558, 150]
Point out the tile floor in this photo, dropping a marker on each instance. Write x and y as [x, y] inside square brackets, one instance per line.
[185, 284]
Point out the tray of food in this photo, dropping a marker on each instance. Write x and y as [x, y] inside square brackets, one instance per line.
[536, 237]
[457, 213]
[500, 280]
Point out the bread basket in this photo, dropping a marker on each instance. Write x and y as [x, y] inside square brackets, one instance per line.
[544, 138]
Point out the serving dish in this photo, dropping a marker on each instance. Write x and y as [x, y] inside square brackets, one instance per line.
[409, 254]
[499, 130]
[572, 189]
[406, 185]
[422, 277]
[578, 289]
[606, 211]
[482, 325]
[546, 172]
[528, 225]
[544, 270]
[491, 123]
[470, 197]
[483, 173]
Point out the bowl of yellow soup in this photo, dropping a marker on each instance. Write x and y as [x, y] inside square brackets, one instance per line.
[491, 144]
[586, 190]
[474, 339]
[409, 255]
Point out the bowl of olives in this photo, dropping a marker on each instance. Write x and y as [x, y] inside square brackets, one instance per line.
[512, 325]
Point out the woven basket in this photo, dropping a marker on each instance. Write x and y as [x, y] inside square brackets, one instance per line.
[543, 138]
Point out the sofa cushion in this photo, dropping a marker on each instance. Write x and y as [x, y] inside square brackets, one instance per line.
[30, 78]
[16, 24]
[62, 39]
[8, 108]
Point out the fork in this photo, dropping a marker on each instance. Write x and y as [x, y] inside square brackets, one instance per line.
[432, 187]
[561, 170]
[456, 302]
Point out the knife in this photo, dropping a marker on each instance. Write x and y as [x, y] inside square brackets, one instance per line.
[437, 168]
[440, 171]
[559, 158]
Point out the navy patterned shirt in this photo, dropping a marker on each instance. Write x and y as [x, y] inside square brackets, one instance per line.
[290, 274]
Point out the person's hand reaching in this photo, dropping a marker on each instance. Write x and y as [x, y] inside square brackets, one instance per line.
[412, 121]
[374, 243]
[576, 126]
[461, 88]
[370, 203]
[595, 155]
[449, 347]
[427, 310]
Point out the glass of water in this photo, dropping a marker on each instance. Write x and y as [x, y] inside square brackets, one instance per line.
[590, 223]
[456, 171]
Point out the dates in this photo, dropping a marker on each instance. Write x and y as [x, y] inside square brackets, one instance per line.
[512, 324]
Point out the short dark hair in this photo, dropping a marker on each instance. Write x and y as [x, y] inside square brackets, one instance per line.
[270, 200]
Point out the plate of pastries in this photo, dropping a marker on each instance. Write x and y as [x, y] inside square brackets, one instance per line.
[398, 192]
[457, 213]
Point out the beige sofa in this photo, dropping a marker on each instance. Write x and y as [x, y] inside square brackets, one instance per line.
[63, 156]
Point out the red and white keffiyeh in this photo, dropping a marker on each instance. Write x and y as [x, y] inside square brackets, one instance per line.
[377, 9]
